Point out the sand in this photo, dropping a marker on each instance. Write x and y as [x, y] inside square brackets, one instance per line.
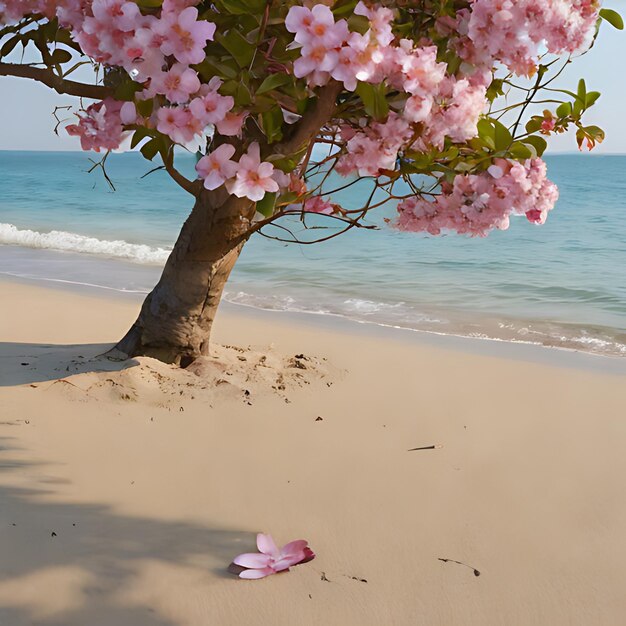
[124, 494]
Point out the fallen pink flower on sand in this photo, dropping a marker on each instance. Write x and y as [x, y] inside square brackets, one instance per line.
[271, 559]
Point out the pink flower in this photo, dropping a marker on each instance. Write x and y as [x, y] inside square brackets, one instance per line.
[317, 204]
[99, 126]
[254, 178]
[177, 84]
[216, 167]
[316, 25]
[315, 58]
[477, 203]
[178, 124]
[184, 35]
[117, 14]
[211, 107]
[272, 559]
[232, 123]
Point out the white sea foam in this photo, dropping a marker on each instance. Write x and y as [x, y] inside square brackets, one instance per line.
[73, 242]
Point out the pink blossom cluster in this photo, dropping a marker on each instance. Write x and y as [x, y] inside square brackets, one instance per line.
[374, 148]
[445, 106]
[318, 204]
[184, 122]
[330, 50]
[14, 10]
[513, 31]
[115, 32]
[156, 50]
[100, 126]
[477, 203]
[248, 178]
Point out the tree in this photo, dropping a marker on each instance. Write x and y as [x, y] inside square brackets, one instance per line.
[406, 93]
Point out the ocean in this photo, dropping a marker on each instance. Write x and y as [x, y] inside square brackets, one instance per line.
[562, 284]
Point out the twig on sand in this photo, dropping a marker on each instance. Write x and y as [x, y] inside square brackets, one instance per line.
[437, 447]
[361, 580]
[63, 380]
[476, 572]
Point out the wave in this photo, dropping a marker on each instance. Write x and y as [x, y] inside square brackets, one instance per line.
[73, 242]
[400, 316]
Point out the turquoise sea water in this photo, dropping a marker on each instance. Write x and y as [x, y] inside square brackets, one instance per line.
[563, 284]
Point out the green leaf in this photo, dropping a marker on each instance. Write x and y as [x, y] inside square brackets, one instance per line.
[487, 133]
[151, 148]
[139, 135]
[59, 56]
[9, 45]
[210, 68]
[596, 132]
[238, 46]
[519, 150]
[343, 8]
[539, 143]
[533, 125]
[242, 7]
[564, 109]
[234, 7]
[127, 89]
[145, 107]
[266, 206]
[359, 24]
[578, 107]
[591, 99]
[149, 4]
[503, 137]
[613, 18]
[286, 163]
[374, 99]
[243, 97]
[272, 122]
[495, 89]
[582, 90]
[271, 82]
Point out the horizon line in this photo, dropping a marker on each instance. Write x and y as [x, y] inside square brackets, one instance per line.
[70, 151]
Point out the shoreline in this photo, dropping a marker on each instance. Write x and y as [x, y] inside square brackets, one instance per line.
[531, 352]
[550, 326]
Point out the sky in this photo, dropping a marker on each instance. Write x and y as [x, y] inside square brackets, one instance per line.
[27, 122]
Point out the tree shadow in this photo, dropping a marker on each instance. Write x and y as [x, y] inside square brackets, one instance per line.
[93, 554]
[28, 363]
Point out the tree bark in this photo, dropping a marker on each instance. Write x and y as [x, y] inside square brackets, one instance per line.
[175, 321]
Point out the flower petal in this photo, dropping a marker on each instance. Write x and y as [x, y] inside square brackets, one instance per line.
[252, 560]
[309, 555]
[253, 574]
[267, 545]
[286, 562]
[293, 547]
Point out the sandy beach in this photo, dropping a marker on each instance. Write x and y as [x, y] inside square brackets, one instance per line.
[125, 494]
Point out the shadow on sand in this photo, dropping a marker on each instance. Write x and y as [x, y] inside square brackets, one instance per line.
[102, 548]
[27, 363]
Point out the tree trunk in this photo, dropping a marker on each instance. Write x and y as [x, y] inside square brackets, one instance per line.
[175, 321]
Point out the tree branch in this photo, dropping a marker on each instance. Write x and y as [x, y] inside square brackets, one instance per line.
[311, 122]
[194, 187]
[60, 85]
